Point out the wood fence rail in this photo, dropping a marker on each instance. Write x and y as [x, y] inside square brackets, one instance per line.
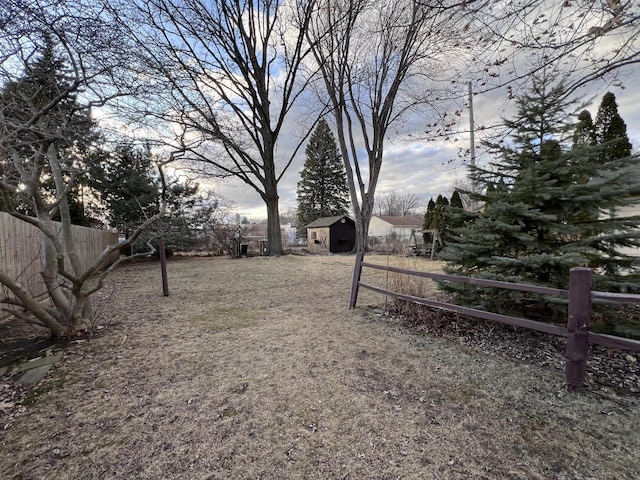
[577, 332]
[21, 245]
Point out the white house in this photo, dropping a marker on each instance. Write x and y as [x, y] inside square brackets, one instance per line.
[289, 231]
[622, 212]
[399, 228]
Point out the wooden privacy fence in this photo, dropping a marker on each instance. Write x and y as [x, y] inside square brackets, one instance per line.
[21, 245]
[577, 331]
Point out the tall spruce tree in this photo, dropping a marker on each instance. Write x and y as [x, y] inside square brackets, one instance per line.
[611, 130]
[65, 124]
[322, 190]
[539, 219]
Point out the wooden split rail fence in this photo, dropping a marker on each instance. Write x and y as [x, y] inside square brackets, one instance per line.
[577, 331]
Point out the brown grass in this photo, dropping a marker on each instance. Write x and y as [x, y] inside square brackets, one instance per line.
[407, 284]
[255, 368]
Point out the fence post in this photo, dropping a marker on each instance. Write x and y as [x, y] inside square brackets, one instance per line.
[357, 271]
[578, 326]
[163, 266]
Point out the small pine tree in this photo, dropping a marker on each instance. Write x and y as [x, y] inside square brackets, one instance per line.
[539, 220]
[455, 213]
[443, 215]
[428, 218]
[322, 190]
[440, 220]
[456, 200]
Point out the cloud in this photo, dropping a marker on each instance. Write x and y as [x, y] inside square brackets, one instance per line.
[420, 167]
[413, 164]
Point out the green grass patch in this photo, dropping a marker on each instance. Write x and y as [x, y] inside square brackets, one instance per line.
[224, 318]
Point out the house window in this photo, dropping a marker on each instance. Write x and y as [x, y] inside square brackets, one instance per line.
[313, 235]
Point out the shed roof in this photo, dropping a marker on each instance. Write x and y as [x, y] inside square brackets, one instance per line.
[401, 221]
[327, 221]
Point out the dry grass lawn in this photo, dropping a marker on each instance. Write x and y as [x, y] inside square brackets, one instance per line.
[256, 369]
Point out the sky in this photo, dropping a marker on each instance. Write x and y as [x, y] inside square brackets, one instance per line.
[414, 165]
[432, 168]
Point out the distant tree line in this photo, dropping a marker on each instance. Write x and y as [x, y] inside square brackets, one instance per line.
[443, 215]
[396, 204]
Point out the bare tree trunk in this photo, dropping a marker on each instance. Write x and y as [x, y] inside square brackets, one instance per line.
[78, 320]
[50, 269]
[63, 207]
[70, 247]
[274, 235]
[32, 305]
[362, 230]
[230, 69]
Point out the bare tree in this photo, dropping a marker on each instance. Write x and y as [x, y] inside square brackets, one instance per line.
[290, 215]
[224, 229]
[56, 65]
[579, 41]
[378, 61]
[398, 205]
[228, 72]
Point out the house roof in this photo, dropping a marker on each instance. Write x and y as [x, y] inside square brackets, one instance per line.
[401, 221]
[327, 221]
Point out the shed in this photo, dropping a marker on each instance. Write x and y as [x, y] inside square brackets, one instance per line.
[331, 235]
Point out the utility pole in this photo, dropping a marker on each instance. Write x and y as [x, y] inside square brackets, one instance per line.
[472, 148]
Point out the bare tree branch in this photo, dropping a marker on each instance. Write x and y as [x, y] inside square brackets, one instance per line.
[229, 74]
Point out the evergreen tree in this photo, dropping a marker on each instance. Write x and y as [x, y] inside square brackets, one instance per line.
[455, 215]
[125, 184]
[585, 132]
[611, 131]
[456, 200]
[440, 216]
[40, 100]
[428, 216]
[539, 221]
[322, 190]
